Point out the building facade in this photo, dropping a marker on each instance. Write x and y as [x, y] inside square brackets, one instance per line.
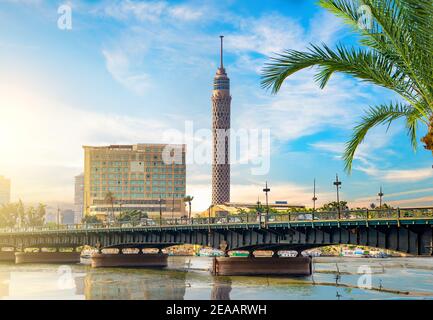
[79, 198]
[67, 217]
[5, 190]
[221, 101]
[145, 177]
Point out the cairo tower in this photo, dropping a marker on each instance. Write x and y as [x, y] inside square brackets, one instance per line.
[221, 100]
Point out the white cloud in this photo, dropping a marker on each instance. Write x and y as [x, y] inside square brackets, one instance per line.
[118, 63]
[186, 13]
[301, 108]
[410, 175]
[142, 11]
[266, 35]
[43, 138]
[152, 11]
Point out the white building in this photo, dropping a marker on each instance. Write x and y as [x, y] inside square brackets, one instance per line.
[79, 198]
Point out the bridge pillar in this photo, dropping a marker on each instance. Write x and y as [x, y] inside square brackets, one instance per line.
[239, 266]
[47, 257]
[7, 256]
[149, 260]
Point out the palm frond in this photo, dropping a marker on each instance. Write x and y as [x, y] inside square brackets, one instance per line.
[365, 65]
[383, 114]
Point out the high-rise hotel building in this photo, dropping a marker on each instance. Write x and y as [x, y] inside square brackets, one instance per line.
[145, 177]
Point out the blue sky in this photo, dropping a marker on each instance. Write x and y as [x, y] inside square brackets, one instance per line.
[128, 71]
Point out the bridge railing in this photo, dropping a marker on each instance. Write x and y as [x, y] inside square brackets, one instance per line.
[245, 218]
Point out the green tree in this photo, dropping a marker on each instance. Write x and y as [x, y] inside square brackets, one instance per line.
[333, 206]
[21, 213]
[131, 215]
[35, 217]
[89, 219]
[188, 199]
[109, 199]
[8, 215]
[396, 53]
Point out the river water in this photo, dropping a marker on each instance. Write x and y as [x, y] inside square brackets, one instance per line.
[188, 278]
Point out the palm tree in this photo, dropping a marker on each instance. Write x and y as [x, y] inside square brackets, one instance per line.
[189, 200]
[109, 198]
[396, 53]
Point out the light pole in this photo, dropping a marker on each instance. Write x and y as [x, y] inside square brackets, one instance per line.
[160, 210]
[337, 184]
[209, 216]
[172, 208]
[380, 194]
[58, 217]
[266, 190]
[314, 195]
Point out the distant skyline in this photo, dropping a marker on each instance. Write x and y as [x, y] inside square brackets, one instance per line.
[128, 71]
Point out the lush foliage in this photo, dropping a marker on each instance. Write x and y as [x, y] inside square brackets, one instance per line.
[395, 52]
[131, 215]
[333, 206]
[16, 214]
[91, 219]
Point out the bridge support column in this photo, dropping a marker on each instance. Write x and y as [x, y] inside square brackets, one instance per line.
[149, 260]
[7, 256]
[239, 266]
[47, 257]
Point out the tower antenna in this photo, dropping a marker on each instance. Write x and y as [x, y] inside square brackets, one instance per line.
[221, 53]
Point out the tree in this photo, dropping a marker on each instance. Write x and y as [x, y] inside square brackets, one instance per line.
[333, 206]
[8, 215]
[131, 215]
[89, 219]
[189, 199]
[21, 213]
[109, 199]
[396, 53]
[35, 217]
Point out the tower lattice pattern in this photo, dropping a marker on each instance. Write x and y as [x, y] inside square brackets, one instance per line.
[221, 100]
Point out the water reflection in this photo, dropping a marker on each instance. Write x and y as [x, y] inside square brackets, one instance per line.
[222, 286]
[189, 278]
[130, 284]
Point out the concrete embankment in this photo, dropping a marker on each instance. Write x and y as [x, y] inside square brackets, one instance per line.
[239, 266]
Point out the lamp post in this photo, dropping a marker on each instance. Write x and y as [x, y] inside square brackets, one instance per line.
[314, 195]
[172, 208]
[160, 210]
[337, 184]
[58, 217]
[209, 216]
[380, 194]
[266, 190]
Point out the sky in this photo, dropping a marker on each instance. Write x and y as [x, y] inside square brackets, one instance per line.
[133, 71]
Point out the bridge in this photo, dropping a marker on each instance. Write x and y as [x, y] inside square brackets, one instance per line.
[408, 230]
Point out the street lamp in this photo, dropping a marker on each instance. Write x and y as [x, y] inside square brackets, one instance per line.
[266, 190]
[209, 216]
[160, 210]
[380, 194]
[337, 184]
[58, 217]
[172, 208]
[314, 195]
